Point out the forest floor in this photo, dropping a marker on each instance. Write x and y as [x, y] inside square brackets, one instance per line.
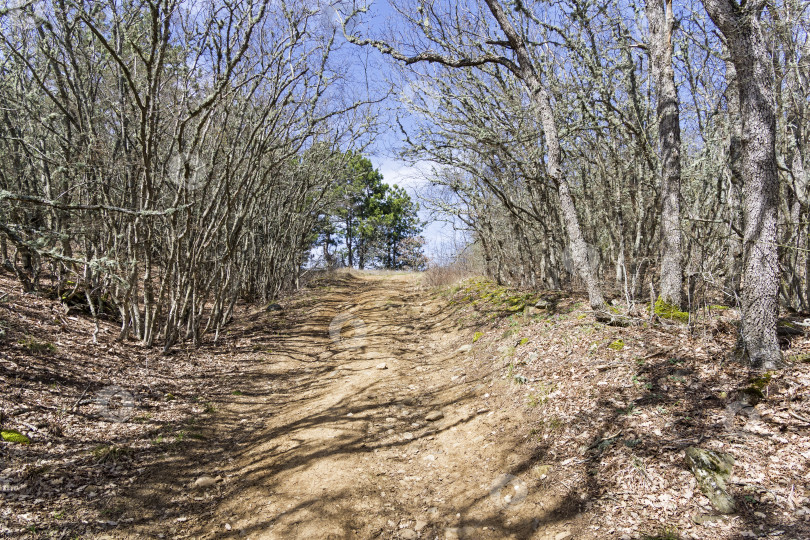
[370, 406]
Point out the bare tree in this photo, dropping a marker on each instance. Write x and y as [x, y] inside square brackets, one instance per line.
[742, 29]
[661, 23]
[522, 65]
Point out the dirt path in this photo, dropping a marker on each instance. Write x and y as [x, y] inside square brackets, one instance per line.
[365, 420]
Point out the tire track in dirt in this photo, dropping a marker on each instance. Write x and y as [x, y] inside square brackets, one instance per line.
[325, 443]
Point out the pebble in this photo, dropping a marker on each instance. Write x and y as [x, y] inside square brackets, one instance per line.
[562, 535]
[383, 365]
[435, 415]
[420, 524]
[204, 482]
[408, 534]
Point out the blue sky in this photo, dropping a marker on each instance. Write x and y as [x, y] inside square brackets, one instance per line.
[374, 69]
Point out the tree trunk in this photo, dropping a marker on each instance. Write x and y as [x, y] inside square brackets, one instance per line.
[755, 81]
[541, 100]
[660, 19]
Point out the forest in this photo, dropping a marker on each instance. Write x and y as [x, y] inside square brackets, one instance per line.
[416, 269]
[163, 160]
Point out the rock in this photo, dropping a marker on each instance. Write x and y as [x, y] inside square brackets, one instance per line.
[562, 535]
[227, 526]
[408, 534]
[712, 470]
[204, 482]
[420, 524]
[435, 415]
[451, 533]
[382, 365]
[407, 436]
[465, 348]
[274, 307]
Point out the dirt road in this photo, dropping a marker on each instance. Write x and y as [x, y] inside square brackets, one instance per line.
[366, 419]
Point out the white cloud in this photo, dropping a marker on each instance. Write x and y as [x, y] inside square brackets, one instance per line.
[414, 177]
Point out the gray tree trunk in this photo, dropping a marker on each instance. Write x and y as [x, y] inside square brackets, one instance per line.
[661, 20]
[541, 100]
[755, 79]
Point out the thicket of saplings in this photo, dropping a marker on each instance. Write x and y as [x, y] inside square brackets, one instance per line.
[160, 161]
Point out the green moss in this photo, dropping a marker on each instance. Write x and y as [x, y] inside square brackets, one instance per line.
[617, 345]
[509, 332]
[803, 357]
[477, 336]
[761, 382]
[104, 453]
[524, 341]
[718, 307]
[14, 436]
[37, 347]
[670, 311]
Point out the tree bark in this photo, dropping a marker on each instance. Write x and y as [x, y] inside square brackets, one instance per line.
[661, 22]
[741, 27]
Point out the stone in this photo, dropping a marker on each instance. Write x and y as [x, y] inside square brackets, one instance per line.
[435, 415]
[562, 535]
[465, 348]
[274, 307]
[712, 470]
[382, 365]
[420, 524]
[204, 482]
[408, 534]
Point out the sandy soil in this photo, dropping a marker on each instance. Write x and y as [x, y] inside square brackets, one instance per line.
[361, 422]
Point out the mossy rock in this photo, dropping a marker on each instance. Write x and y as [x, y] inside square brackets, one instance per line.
[669, 311]
[712, 470]
[754, 392]
[800, 358]
[750, 395]
[617, 345]
[761, 382]
[14, 436]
